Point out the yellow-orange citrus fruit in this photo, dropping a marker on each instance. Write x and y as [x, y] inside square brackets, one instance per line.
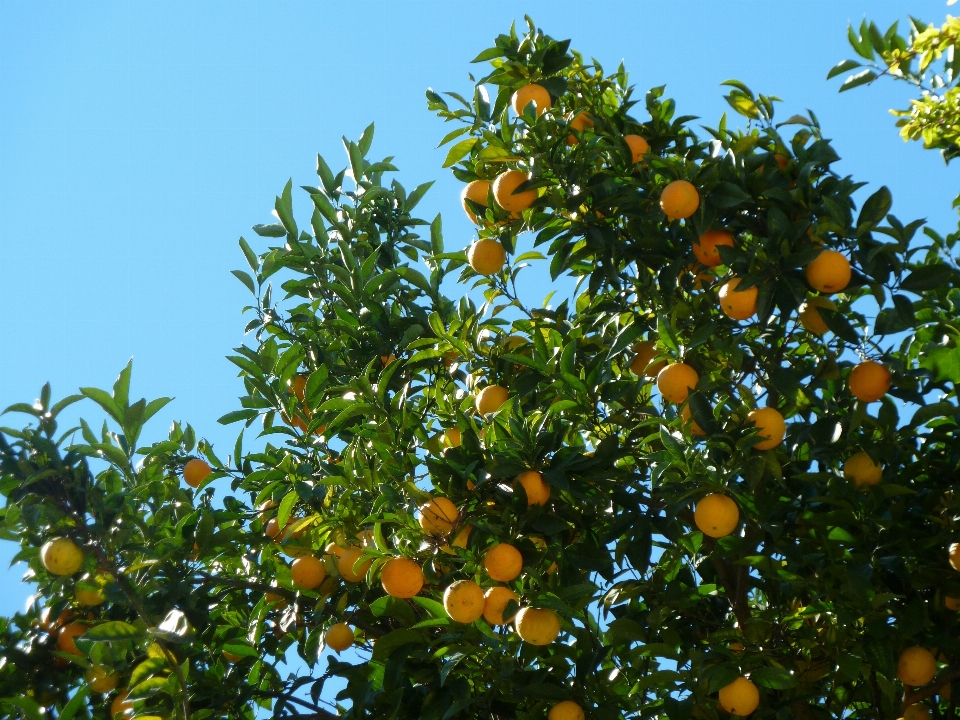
[67, 636]
[476, 191]
[487, 257]
[532, 93]
[716, 515]
[829, 272]
[503, 191]
[121, 707]
[503, 562]
[347, 565]
[706, 248]
[679, 200]
[61, 556]
[401, 577]
[916, 666]
[645, 352]
[90, 598]
[862, 470]
[580, 122]
[771, 425]
[460, 541]
[638, 147]
[495, 601]
[916, 712]
[307, 572]
[195, 472]
[738, 304]
[955, 556]
[538, 492]
[299, 386]
[452, 437]
[437, 516]
[463, 601]
[102, 681]
[537, 626]
[869, 381]
[687, 417]
[272, 528]
[565, 710]
[951, 603]
[676, 381]
[946, 692]
[740, 697]
[491, 399]
[339, 637]
[277, 601]
[810, 316]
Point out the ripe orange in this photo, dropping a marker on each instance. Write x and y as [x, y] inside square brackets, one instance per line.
[487, 257]
[638, 147]
[121, 706]
[955, 556]
[916, 666]
[862, 470]
[491, 399]
[307, 572]
[463, 601]
[740, 697]
[679, 200]
[869, 381]
[401, 577]
[716, 515]
[272, 528]
[645, 352]
[951, 603]
[339, 637]
[277, 601]
[738, 304]
[705, 249]
[452, 437]
[67, 635]
[532, 93]
[810, 317]
[676, 381]
[565, 710]
[299, 386]
[829, 272]
[580, 122]
[495, 601]
[916, 712]
[771, 425]
[90, 598]
[347, 565]
[437, 516]
[538, 492]
[537, 626]
[101, 680]
[61, 556]
[503, 562]
[687, 417]
[477, 191]
[503, 191]
[460, 540]
[195, 472]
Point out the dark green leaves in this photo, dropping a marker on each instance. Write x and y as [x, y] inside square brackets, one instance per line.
[111, 631]
[874, 210]
[929, 277]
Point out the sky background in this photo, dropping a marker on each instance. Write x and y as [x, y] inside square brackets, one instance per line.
[138, 141]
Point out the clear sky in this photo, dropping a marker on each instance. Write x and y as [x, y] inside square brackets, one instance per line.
[139, 140]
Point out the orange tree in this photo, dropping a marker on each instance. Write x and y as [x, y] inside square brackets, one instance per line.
[716, 477]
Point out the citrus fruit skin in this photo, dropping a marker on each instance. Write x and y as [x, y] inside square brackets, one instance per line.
[487, 257]
[537, 94]
[460, 541]
[810, 316]
[645, 351]
[437, 516]
[738, 305]
[955, 556]
[951, 603]
[503, 562]
[452, 437]
[916, 712]
[495, 601]
[829, 272]
[706, 249]
[716, 515]
[869, 381]
[771, 425]
[61, 556]
[477, 191]
[101, 681]
[346, 565]
[90, 598]
[580, 122]
[339, 637]
[67, 636]
[565, 710]
[307, 572]
[537, 626]
[538, 492]
[503, 191]
[195, 472]
[464, 601]
[862, 470]
[676, 381]
[916, 666]
[740, 697]
[687, 416]
[491, 399]
[401, 578]
[121, 706]
[638, 147]
[679, 200]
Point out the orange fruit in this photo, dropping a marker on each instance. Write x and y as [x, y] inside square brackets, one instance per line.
[537, 626]
[61, 556]
[307, 572]
[645, 352]
[916, 666]
[452, 437]
[781, 160]
[532, 93]
[638, 147]
[346, 565]
[195, 472]
[862, 470]
[339, 637]
[90, 598]
[738, 304]
[951, 603]
[495, 601]
[771, 425]
[477, 191]
[676, 381]
[740, 697]
[565, 710]
[705, 249]
[687, 417]
[869, 381]
[299, 386]
[487, 257]
[810, 317]
[67, 636]
[437, 516]
[946, 692]
[272, 528]
[538, 492]
[503, 562]
[460, 540]
[503, 191]
[278, 601]
[401, 577]
[716, 515]
[491, 399]
[463, 601]
[580, 122]
[916, 712]
[679, 200]
[829, 272]
[121, 706]
[955, 556]
[102, 681]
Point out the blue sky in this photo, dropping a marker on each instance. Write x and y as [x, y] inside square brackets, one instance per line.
[138, 141]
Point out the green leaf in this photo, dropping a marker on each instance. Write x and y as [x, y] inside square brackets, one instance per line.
[245, 279]
[394, 639]
[773, 677]
[146, 669]
[237, 416]
[104, 400]
[928, 277]
[931, 411]
[274, 231]
[861, 78]
[874, 209]
[433, 607]
[839, 325]
[147, 688]
[286, 506]
[77, 702]
[112, 630]
[252, 260]
[28, 708]
[743, 105]
[488, 54]
[121, 388]
[842, 67]
[366, 140]
[458, 151]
